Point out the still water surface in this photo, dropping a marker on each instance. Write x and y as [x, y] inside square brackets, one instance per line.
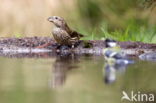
[70, 79]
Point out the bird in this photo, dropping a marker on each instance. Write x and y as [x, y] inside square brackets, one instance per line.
[62, 33]
[112, 50]
[114, 55]
[109, 74]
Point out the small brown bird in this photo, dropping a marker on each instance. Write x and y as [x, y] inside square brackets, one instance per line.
[62, 33]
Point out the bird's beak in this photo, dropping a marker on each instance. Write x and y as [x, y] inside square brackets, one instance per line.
[50, 19]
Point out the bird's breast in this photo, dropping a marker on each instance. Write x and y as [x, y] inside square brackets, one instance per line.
[56, 31]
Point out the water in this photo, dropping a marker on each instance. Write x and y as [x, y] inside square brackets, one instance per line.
[47, 78]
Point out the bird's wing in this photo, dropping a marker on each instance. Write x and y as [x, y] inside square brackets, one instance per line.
[61, 36]
[67, 38]
[76, 34]
[64, 35]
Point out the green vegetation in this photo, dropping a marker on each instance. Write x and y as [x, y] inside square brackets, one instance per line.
[124, 20]
[133, 32]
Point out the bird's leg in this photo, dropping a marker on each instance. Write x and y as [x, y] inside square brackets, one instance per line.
[73, 46]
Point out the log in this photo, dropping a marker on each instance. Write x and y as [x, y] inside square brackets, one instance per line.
[29, 45]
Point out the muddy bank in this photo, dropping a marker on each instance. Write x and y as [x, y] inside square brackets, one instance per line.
[34, 45]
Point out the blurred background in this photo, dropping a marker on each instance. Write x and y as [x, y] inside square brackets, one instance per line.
[98, 19]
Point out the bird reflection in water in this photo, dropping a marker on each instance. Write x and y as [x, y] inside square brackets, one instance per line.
[110, 71]
[115, 59]
[63, 64]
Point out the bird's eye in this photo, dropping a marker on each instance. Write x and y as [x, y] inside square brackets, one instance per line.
[56, 17]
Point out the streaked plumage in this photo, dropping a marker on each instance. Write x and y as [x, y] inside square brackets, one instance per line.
[62, 37]
[62, 33]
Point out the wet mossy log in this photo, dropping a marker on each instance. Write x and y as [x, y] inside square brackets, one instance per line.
[95, 47]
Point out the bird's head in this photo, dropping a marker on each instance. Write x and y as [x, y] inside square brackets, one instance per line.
[57, 21]
[110, 43]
